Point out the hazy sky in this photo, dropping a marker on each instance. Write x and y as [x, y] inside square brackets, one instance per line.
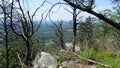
[59, 12]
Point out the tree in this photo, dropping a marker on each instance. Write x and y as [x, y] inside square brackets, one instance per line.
[86, 32]
[26, 27]
[87, 6]
[108, 33]
[5, 29]
[76, 19]
[58, 28]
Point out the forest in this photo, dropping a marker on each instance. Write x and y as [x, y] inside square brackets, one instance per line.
[33, 39]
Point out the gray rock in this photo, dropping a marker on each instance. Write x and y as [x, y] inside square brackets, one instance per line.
[92, 66]
[77, 48]
[44, 60]
[69, 47]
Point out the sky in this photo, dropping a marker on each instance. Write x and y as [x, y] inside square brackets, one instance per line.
[59, 12]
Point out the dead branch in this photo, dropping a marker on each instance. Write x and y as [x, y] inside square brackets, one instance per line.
[22, 64]
[49, 11]
[95, 62]
[98, 15]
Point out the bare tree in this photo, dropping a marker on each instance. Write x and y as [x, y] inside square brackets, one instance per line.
[58, 27]
[26, 27]
[5, 29]
[76, 20]
[87, 6]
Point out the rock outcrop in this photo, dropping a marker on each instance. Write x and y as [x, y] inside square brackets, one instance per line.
[44, 60]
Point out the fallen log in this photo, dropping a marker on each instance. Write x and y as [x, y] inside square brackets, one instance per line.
[95, 62]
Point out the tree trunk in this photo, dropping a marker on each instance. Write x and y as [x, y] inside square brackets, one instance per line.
[6, 40]
[74, 28]
[7, 54]
[28, 56]
[62, 43]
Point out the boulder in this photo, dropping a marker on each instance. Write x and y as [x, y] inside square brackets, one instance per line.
[44, 60]
[77, 48]
[69, 47]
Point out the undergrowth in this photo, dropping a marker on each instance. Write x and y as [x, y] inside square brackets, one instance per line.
[109, 58]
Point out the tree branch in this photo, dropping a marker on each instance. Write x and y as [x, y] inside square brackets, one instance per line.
[100, 16]
[98, 63]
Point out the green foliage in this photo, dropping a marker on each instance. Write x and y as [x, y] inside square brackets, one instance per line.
[88, 53]
[2, 59]
[62, 58]
[36, 45]
[51, 47]
[108, 58]
[109, 39]
[109, 35]
[99, 34]
[86, 32]
[17, 46]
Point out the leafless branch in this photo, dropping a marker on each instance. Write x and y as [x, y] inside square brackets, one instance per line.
[11, 21]
[49, 11]
[22, 64]
[38, 9]
[37, 26]
[68, 11]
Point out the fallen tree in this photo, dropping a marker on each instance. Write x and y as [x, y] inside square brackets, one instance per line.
[89, 60]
